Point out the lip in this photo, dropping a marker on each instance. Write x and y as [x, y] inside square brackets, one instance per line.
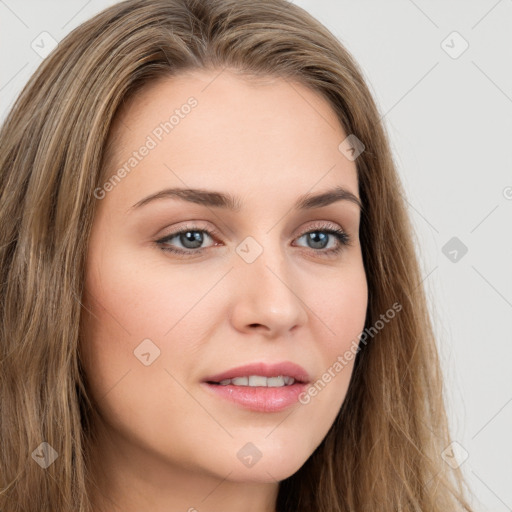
[260, 398]
[265, 370]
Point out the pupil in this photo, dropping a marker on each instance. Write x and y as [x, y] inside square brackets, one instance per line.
[193, 237]
[315, 236]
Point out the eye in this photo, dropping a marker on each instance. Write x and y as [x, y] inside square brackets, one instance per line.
[191, 239]
[320, 236]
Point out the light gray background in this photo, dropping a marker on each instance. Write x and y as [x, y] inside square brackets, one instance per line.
[450, 123]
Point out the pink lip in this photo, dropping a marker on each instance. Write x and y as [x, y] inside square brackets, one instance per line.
[260, 398]
[286, 368]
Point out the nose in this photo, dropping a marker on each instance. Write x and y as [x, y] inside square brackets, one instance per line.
[267, 296]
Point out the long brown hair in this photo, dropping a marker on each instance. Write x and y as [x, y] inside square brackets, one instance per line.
[384, 450]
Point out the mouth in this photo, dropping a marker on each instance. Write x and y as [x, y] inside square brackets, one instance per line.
[256, 381]
[260, 387]
[261, 374]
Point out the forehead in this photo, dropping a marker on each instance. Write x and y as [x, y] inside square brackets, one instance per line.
[258, 130]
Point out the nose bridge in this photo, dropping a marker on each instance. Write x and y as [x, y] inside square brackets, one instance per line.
[268, 292]
[264, 263]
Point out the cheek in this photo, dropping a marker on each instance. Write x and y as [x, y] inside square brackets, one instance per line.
[340, 313]
[340, 304]
[140, 292]
[134, 297]
[131, 313]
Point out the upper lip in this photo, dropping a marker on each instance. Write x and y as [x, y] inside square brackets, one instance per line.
[286, 368]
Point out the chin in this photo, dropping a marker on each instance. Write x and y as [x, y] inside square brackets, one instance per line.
[262, 476]
[266, 470]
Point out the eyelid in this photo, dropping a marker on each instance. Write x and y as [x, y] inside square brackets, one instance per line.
[342, 236]
[322, 224]
[197, 226]
[192, 225]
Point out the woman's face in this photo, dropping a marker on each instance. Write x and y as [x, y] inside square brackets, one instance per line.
[266, 282]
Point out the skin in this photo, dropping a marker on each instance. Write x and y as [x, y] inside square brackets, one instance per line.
[163, 442]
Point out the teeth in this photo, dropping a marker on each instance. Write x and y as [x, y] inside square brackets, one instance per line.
[256, 380]
[259, 381]
[275, 382]
[240, 381]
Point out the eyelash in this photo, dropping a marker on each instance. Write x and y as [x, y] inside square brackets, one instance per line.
[343, 238]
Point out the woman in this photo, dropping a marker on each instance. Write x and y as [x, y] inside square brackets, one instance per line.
[210, 295]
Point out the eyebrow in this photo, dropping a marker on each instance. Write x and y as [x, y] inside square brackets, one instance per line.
[222, 200]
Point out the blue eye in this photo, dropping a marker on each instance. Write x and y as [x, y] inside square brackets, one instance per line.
[192, 237]
[320, 238]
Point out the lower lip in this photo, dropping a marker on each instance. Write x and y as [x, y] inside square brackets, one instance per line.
[260, 399]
